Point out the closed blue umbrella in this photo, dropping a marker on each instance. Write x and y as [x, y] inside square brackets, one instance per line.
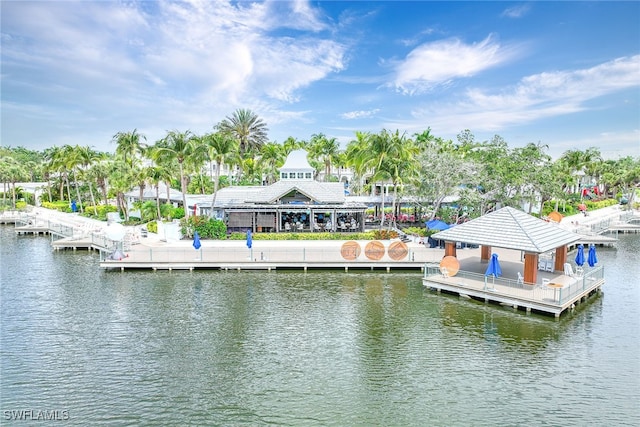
[249, 239]
[592, 259]
[493, 269]
[74, 206]
[196, 240]
[580, 256]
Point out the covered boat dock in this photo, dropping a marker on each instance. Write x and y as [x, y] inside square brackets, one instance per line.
[536, 274]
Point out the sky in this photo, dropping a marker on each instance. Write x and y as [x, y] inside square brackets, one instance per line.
[561, 74]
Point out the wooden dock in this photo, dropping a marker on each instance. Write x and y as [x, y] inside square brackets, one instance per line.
[552, 296]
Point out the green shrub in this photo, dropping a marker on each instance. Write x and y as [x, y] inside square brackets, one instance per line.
[102, 211]
[152, 227]
[61, 206]
[385, 234]
[416, 231]
[369, 235]
[178, 213]
[207, 228]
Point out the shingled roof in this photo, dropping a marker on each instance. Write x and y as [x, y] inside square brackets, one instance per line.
[510, 228]
[321, 192]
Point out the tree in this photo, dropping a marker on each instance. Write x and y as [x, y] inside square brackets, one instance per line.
[271, 159]
[356, 156]
[441, 172]
[84, 157]
[325, 150]
[247, 128]
[391, 157]
[179, 146]
[12, 171]
[130, 146]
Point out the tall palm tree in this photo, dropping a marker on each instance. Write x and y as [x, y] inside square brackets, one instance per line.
[291, 144]
[120, 181]
[247, 128]
[99, 172]
[356, 156]
[179, 146]
[222, 150]
[391, 157]
[325, 150]
[130, 146]
[271, 158]
[85, 158]
[12, 171]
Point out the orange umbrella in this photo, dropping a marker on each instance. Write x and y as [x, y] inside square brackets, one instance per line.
[555, 216]
[451, 263]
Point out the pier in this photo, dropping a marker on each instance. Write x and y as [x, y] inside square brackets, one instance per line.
[553, 293]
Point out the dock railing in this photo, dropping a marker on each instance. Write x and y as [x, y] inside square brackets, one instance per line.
[509, 287]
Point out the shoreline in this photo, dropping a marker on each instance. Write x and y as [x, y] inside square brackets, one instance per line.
[152, 252]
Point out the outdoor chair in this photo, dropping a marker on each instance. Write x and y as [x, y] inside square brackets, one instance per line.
[444, 271]
[568, 270]
[520, 280]
[579, 272]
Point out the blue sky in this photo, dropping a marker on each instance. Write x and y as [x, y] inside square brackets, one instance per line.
[564, 74]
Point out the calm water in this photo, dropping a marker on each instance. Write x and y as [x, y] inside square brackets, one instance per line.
[289, 348]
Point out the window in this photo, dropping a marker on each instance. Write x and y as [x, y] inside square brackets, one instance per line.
[300, 175]
[283, 175]
[307, 175]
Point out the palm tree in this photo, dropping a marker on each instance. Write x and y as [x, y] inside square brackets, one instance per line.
[391, 157]
[179, 146]
[356, 157]
[120, 182]
[129, 146]
[156, 175]
[221, 149]
[325, 150]
[12, 171]
[291, 144]
[247, 128]
[271, 158]
[81, 159]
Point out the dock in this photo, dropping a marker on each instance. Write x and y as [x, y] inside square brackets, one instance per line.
[554, 293]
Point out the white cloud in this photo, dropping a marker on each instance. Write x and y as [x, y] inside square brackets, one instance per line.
[179, 65]
[359, 114]
[437, 63]
[517, 11]
[536, 97]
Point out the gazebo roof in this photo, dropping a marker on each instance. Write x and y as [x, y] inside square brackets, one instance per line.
[510, 228]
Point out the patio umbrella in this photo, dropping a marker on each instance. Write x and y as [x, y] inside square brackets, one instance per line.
[249, 239]
[592, 259]
[436, 224]
[196, 240]
[493, 269]
[74, 206]
[580, 256]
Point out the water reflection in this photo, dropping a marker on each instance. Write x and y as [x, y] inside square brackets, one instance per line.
[296, 348]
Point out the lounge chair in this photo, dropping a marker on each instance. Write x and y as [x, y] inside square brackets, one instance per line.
[520, 280]
[568, 270]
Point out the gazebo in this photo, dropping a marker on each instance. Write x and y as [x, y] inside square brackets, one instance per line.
[510, 228]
